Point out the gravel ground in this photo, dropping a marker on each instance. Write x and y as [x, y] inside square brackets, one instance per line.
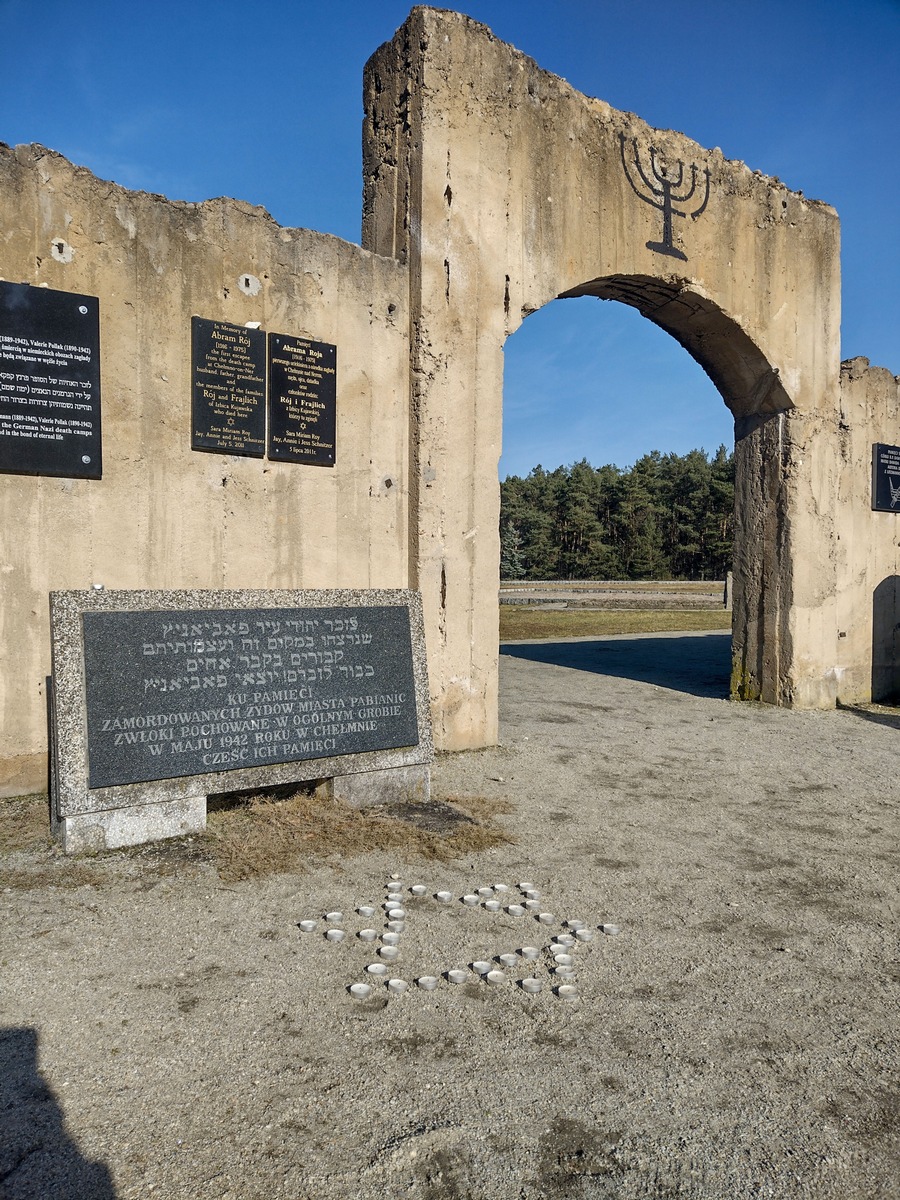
[165, 1034]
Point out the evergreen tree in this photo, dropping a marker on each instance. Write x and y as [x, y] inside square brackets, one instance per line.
[669, 516]
[511, 564]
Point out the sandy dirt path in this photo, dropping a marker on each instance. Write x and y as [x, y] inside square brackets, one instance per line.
[165, 1034]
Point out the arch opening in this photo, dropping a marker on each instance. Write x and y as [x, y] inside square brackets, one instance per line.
[746, 380]
[752, 391]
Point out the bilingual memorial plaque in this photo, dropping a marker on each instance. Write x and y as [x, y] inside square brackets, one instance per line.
[49, 382]
[192, 692]
[885, 478]
[228, 388]
[302, 400]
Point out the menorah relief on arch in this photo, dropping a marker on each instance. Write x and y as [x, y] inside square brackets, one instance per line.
[667, 188]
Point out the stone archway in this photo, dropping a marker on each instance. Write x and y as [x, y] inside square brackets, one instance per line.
[751, 389]
[502, 188]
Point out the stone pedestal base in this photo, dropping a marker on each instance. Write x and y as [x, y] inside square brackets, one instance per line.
[86, 833]
[383, 787]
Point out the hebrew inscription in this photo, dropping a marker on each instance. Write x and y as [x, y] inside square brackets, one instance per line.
[228, 388]
[665, 186]
[49, 382]
[192, 692]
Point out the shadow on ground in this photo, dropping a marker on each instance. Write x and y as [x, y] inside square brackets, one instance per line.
[881, 714]
[38, 1157]
[696, 663]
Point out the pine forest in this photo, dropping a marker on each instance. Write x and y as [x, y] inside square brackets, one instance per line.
[669, 516]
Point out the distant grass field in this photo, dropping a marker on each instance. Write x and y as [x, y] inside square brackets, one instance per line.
[526, 623]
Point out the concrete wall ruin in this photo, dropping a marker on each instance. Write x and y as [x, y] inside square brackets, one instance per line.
[867, 544]
[491, 187]
[504, 188]
[164, 516]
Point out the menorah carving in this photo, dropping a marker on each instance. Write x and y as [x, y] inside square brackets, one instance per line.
[665, 192]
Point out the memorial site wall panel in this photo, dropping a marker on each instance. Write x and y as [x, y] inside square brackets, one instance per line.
[49, 382]
[885, 478]
[302, 400]
[228, 388]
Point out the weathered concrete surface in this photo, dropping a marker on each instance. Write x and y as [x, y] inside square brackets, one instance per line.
[164, 516]
[390, 786]
[93, 832]
[491, 187]
[503, 188]
[868, 543]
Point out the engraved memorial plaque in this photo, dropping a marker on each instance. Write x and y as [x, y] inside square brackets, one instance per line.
[885, 478]
[302, 400]
[49, 382]
[228, 388]
[191, 692]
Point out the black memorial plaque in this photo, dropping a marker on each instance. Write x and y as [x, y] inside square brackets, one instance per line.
[179, 693]
[302, 400]
[885, 478]
[49, 382]
[228, 388]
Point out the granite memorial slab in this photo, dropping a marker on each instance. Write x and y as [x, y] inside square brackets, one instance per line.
[162, 698]
[49, 382]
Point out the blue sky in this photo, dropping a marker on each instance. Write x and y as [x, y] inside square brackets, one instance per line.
[263, 102]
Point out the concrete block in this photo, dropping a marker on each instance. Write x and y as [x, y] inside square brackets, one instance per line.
[383, 787]
[109, 829]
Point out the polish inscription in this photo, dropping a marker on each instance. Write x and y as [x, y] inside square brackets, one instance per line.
[302, 400]
[885, 478]
[228, 388]
[49, 382]
[180, 693]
